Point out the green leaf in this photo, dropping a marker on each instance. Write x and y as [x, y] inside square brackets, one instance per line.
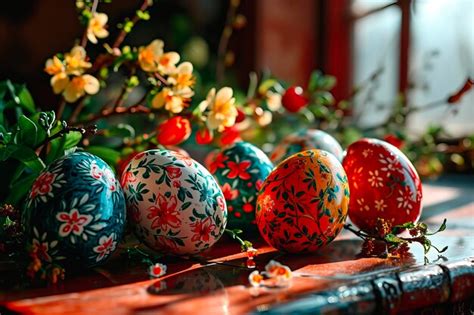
[20, 188]
[109, 155]
[28, 132]
[393, 238]
[121, 131]
[23, 154]
[26, 100]
[72, 138]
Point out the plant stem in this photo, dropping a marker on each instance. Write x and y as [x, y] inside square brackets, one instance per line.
[60, 110]
[224, 40]
[77, 111]
[121, 36]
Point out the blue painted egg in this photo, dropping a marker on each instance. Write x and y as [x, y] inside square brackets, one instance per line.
[240, 170]
[306, 139]
[75, 212]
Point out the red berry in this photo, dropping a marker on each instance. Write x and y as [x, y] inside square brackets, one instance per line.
[173, 131]
[204, 136]
[293, 99]
[230, 135]
[240, 116]
[394, 140]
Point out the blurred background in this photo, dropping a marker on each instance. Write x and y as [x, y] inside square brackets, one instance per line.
[383, 53]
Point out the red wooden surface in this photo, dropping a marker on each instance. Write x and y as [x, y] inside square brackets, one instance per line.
[189, 287]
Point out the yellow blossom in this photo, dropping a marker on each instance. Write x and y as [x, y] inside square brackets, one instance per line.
[255, 279]
[54, 66]
[273, 101]
[182, 78]
[76, 61]
[167, 63]
[222, 112]
[80, 85]
[96, 28]
[149, 56]
[59, 82]
[171, 100]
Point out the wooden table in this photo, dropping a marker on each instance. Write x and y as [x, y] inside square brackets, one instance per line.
[334, 279]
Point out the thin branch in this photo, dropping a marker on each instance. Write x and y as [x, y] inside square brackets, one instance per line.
[89, 130]
[121, 36]
[61, 106]
[224, 40]
[77, 111]
[84, 35]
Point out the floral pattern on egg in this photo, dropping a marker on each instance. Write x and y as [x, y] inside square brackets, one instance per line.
[303, 203]
[173, 202]
[75, 212]
[384, 184]
[306, 139]
[240, 170]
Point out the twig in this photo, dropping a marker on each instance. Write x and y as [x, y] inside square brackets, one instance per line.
[84, 35]
[118, 111]
[122, 96]
[224, 40]
[123, 33]
[61, 106]
[89, 130]
[77, 111]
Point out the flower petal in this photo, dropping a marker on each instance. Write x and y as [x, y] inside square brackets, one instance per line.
[224, 95]
[92, 84]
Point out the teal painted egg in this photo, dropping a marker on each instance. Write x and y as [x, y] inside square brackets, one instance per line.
[306, 139]
[75, 212]
[240, 170]
[173, 202]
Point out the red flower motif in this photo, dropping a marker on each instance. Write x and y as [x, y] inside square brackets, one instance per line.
[105, 247]
[221, 203]
[73, 222]
[43, 184]
[96, 172]
[173, 172]
[127, 177]
[202, 230]
[229, 193]
[239, 170]
[259, 184]
[177, 184]
[165, 214]
[218, 162]
[41, 250]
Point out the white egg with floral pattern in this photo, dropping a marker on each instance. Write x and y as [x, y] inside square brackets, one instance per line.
[174, 204]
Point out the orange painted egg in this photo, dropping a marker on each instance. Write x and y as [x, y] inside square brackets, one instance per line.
[384, 184]
[303, 203]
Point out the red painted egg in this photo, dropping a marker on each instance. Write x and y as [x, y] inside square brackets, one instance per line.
[383, 183]
[303, 203]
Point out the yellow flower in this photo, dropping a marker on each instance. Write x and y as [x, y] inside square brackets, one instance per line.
[80, 85]
[59, 82]
[54, 66]
[96, 28]
[167, 63]
[76, 61]
[171, 100]
[222, 112]
[183, 77]
[149, 56]
[273, 101]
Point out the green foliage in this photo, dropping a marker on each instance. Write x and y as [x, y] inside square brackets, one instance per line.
[29, 140]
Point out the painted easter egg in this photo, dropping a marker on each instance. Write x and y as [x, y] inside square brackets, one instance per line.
[303, 203]
[384, 184]
[75, 212]
[173, 202]
[306, 139]
[240, 170]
